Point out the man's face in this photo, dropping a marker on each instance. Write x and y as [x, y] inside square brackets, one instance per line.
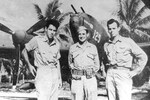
[82, 35]
[113, 30]
[51, 31]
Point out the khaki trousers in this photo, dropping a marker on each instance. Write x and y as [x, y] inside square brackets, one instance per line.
[84, 89]
[118, 84]
[46, 83]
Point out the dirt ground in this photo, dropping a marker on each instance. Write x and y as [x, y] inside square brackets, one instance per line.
[139, 93]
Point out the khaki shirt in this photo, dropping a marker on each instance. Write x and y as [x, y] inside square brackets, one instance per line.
[122, 51]
[83, 57]
[45, 54]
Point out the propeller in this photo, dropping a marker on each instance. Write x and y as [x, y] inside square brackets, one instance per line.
[40, 24]
[5, 29]
[20, 37]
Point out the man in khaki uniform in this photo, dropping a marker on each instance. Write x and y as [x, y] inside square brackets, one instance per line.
[120, 52]
[46, 54]
[84, 63]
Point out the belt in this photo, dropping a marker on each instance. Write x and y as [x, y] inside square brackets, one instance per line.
[119, 67]
[78, 72]
[82, 73]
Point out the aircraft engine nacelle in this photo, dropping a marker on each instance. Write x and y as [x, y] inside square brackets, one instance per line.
[21, 37]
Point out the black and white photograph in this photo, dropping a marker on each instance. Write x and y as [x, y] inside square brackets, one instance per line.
[74, 49]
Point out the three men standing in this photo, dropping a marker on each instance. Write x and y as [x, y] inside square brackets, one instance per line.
[120, 52]
[84, 63]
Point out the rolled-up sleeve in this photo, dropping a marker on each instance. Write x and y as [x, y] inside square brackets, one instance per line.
[140, 56]
[31, 45]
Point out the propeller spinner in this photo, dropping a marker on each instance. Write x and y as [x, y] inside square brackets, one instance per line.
[21, 36]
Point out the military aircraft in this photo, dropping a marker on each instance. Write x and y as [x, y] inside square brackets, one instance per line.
[20, 37]
[98, 35]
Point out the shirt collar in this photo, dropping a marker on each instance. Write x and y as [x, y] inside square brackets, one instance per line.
[117, 39]
[87, 44]
[45, 39]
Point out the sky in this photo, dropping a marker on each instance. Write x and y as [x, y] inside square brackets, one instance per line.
[21, 14]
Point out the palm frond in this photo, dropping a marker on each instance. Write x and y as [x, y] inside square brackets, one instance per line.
[38, 11]
[121, 13]
[133, 7]
[62, 17]
[52, 8]
[48, 10]
[145, 21]
[146, 30]
[137, 17]
[124, 32]
[139, 36]
[56, 5]
[56, 14]
[143, 34]
[126, 11]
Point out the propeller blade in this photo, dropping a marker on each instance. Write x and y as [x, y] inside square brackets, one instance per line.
[5, 29]
[40, 24]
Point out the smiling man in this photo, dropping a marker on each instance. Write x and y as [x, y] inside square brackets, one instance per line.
[84, 63]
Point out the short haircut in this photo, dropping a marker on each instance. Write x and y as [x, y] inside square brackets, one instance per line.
[53, 22]
[113, 21]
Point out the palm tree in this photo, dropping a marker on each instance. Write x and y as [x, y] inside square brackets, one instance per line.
[53, 12]
[136, 20]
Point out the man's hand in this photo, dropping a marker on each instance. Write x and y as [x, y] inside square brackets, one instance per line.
[60, 82]
[32, 69]
[89, 72]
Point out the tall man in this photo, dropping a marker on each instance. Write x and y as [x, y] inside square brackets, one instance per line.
[84, 63]
[46, 59]
[120, 52]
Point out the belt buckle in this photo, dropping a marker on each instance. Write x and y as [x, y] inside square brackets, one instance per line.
[77, 72]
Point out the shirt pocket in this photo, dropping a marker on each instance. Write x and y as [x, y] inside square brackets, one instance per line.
[91, 56]
[122, 48]
[75, 54]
